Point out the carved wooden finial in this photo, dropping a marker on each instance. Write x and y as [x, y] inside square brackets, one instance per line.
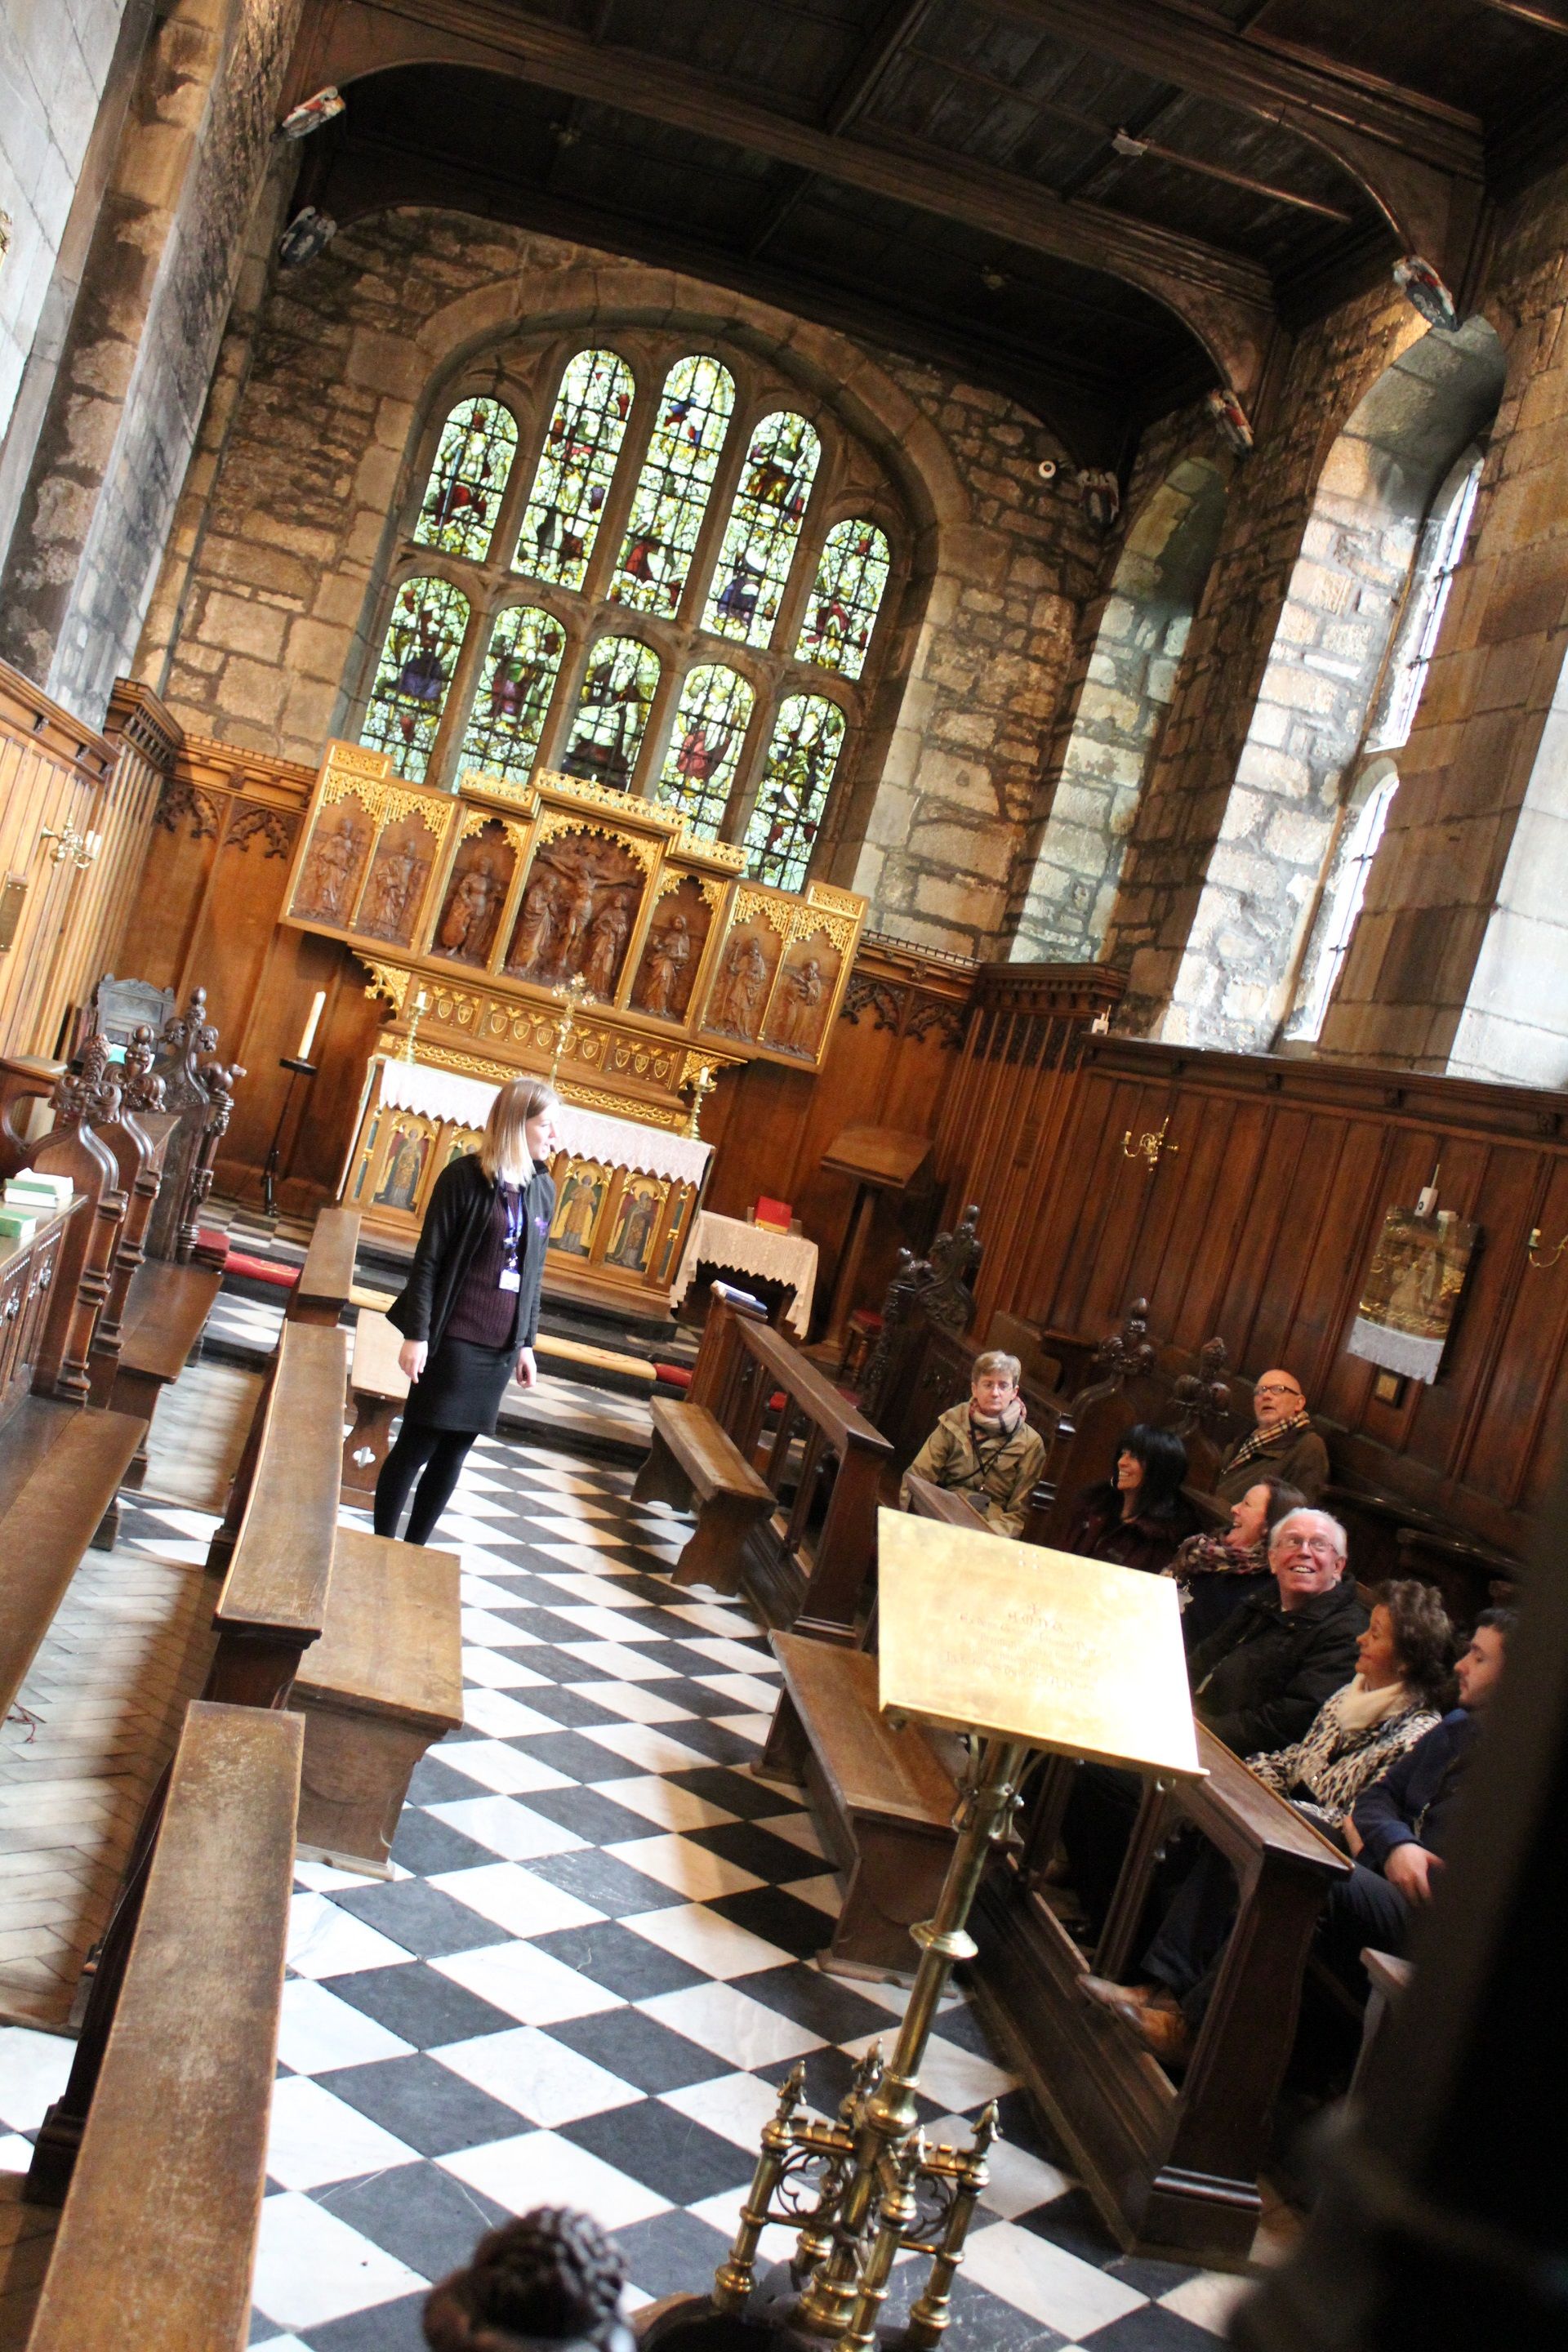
[141, 1090]
[90, 1091]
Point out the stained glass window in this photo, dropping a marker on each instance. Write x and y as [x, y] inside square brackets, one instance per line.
[462, 497]
[418, 654]
[515, 686]
[764, 526]
[576, 464]
[618, 687]
[673, 488]
[842, 614]
[797, 775]
[705, 746]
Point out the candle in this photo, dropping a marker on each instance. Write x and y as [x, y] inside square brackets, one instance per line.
[308, 1039]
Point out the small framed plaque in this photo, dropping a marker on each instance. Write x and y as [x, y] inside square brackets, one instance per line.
[980, 1634]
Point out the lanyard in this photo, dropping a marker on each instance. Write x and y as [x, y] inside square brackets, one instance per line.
[516, 1212]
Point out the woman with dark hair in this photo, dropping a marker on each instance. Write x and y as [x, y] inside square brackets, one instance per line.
[1397, 1694]
[1139, 1517]
[1214, 1572]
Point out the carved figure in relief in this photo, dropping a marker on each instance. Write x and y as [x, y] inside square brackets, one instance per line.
[574, 911]
[329, 871]
[799, 1017]
[465, 926]
[668, 954]
[536, 926]
[742, 988]
[389, 891]
[607, 940]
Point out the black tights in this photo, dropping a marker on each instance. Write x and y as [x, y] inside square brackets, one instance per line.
[440, 1453]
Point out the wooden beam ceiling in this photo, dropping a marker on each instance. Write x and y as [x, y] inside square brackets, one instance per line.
[1225, 301]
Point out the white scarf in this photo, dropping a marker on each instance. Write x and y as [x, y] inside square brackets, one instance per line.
[1359, 1708]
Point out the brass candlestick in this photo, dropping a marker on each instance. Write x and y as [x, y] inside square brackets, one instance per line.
[702, 1085]
[571, 996]
[879, 2190]
[421, 1006]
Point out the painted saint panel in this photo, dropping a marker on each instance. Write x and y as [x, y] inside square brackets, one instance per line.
[409, 1146]
[578, 1208]
[636, 1223]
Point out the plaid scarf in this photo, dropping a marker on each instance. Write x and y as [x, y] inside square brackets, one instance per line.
[1261, 1439]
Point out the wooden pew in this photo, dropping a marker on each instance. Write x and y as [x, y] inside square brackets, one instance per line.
[377, 1388]
[384, 1681]
[60, 1468]
[806, 1561]
[81, 1280]
[691, 1463]
[327, 1277]
[882, 1795]
[162, 2131]
[199, 1091]
[1171, 2166]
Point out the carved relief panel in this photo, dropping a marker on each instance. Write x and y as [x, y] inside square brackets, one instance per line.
[678, 934]
[476, 892]
[744, 977]
[334, 863]
[579, 909]
[807, 984]
[395, 884]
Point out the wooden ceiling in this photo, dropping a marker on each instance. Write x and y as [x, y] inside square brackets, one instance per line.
[1100, 207]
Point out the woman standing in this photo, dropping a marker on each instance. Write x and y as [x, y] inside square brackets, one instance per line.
[470, 1309]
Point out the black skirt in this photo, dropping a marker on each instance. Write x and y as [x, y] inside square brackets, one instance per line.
[460, 1388]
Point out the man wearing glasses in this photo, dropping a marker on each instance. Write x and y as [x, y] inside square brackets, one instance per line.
[1283, 1445]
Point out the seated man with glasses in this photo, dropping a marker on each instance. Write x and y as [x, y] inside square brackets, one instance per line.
[1283, 1445]
[1259, 1681]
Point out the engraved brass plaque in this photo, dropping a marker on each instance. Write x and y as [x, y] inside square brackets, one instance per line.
[980, 1634]
[13, 898]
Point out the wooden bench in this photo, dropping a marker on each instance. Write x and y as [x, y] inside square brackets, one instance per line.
[161, 2132]
[327, 1277]
[60, 1468]
[690, 1461]
[882, 1799]
[276, 1538]
[384, 1681]
[166, 1309]
[1171, 2166]
[378, 1386]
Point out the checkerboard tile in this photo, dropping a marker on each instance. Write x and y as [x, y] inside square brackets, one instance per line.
[595, 1965]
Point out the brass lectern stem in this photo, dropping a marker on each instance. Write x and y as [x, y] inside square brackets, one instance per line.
[888, 2115]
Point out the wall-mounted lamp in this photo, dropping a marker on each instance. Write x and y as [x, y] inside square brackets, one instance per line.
[81, 848]
[1149, 1146]
[1542, 1263]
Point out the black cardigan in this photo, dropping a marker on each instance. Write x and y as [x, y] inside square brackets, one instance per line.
[455, 1224]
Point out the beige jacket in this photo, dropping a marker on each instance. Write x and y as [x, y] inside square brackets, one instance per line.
[1000, 1478]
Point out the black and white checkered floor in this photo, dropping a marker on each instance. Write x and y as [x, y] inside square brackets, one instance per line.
[594, 1968]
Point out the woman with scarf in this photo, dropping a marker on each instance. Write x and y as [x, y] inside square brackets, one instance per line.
[1404, 1664]
[1213, 1572]
[469, 1310]
[986, 1448]
[1138, 1517]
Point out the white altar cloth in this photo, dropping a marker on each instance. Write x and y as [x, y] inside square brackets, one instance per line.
[586, 1134]
[739, 1248]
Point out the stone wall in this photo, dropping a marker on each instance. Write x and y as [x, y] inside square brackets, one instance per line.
[259, 631]
[1065, 883]
[1459, 959]
[54, 65]
[134, 375]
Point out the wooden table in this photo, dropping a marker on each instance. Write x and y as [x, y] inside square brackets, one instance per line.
[737, 1247]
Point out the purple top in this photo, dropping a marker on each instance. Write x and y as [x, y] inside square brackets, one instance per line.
[483, 1313]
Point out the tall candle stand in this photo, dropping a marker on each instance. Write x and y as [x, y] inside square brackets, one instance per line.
[420, 1007]
[571, 996]
[298, 1067]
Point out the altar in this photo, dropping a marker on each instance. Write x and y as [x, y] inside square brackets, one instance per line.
[625, 1194]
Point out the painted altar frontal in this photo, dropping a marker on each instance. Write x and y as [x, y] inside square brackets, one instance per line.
[559, 925]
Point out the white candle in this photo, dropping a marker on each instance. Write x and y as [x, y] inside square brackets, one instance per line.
[308, 1039]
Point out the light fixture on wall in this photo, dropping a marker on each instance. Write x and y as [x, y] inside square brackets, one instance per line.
[1234, 425]
[1425, 290]
[81, 848]
[1149, 1146]
[1543, 1261]
[311, 113]
[308, 235]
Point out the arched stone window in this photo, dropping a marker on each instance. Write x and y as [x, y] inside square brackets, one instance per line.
[633, 560]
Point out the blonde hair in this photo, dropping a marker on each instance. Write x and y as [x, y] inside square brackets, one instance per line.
[997, 1360]
[503, 1147]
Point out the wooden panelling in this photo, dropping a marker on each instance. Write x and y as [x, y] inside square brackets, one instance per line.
[1260, 1224]
[56, 776]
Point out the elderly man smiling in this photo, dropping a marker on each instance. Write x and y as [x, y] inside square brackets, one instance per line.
[1259, 1681]
[1283, 1445]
